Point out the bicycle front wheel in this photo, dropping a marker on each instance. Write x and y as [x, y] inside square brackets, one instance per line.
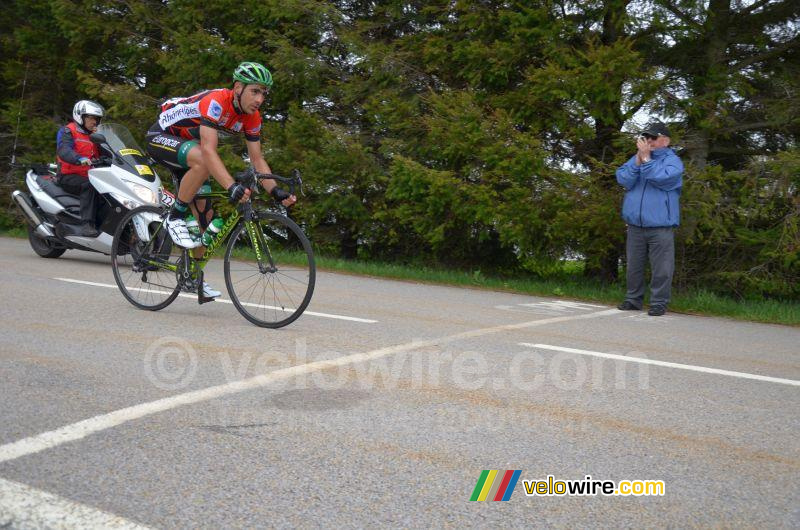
[144, 260]
[269, 270]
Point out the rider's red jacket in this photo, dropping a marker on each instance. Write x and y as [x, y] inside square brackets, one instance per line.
[74, 144]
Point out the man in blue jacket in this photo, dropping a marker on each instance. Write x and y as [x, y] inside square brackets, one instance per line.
[652, 178]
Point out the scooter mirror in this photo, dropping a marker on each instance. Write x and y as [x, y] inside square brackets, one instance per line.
[97, 138]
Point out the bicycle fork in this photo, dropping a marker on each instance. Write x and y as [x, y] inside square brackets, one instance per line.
[261, 248]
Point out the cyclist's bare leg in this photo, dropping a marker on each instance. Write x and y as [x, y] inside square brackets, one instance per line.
[194, 178]
[200, 251]
[190, 183]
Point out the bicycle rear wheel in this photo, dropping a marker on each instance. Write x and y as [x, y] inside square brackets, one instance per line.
[269, 270]
[144, 260]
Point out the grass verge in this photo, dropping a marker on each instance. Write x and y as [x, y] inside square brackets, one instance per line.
[692, 302]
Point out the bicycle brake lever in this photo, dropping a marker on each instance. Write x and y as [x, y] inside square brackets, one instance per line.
[299, 180]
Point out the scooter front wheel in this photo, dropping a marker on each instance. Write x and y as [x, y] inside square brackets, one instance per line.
[144, 260]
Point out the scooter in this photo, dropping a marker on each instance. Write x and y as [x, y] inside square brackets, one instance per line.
[122, 176]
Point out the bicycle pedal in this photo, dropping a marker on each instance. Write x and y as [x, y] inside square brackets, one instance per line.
[203, 299]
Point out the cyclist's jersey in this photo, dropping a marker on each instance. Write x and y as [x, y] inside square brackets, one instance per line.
[214, 108]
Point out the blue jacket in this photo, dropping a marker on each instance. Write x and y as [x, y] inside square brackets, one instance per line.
[653, 189]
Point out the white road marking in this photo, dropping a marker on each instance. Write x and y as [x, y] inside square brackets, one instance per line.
[22, 506]
[222, 300]
[561, 305]
[691, 367]
[549, 307]
[81, 429]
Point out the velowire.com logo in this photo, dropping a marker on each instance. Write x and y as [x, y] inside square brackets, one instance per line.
[494, 485]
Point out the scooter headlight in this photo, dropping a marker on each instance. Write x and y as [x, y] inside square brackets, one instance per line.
[147, 195]
[126, 202]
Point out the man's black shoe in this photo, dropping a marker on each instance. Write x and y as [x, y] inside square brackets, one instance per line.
[657, 310]
[88, 230]
[627, 306]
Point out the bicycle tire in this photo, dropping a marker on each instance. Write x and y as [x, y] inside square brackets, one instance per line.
[284, 283]
[121, 247]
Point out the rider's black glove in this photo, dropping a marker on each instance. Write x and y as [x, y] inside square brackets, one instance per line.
[279, 195]
[236, 192]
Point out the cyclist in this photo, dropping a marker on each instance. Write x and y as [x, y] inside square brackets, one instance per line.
[185, 139]
[74, 152]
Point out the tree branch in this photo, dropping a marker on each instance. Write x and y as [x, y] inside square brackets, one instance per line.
[750, 126]
[773, 14]
[769, 54]
[669, 6]
[753, 7]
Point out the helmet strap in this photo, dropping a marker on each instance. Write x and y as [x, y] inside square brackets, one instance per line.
[237, 101]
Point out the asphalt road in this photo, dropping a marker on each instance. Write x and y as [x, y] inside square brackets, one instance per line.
[192, 417]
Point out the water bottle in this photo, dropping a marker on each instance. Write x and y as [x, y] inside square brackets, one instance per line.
[211, 232]
[193, 226]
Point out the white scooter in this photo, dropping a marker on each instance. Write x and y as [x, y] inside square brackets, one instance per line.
[122, 177]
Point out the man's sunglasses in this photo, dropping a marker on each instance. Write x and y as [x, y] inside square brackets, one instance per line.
[649, 136]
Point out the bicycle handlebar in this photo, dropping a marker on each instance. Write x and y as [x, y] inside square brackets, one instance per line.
[251, 178]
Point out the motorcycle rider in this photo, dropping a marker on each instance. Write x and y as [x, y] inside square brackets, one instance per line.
[75, 152]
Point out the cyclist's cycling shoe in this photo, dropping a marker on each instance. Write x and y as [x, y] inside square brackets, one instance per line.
[180, 233]
[190, 286]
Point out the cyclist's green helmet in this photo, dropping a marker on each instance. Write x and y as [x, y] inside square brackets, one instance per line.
[252, 74]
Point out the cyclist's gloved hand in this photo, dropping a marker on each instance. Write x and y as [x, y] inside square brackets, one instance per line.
[85, 161]
[279, 195]
[236, 192]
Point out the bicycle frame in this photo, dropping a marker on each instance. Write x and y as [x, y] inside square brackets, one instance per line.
[229, 223]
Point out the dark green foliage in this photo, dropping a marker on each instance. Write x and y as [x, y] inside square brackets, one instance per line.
[477, 134]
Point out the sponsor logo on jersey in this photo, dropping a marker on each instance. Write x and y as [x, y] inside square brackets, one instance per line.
[214, 111]
[169, 142]
[177, 113]
[237, 126]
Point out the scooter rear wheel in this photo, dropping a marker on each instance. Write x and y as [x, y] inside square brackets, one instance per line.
[43, 247]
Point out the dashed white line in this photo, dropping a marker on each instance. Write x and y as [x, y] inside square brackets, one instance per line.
[224, 301]
[691, 367]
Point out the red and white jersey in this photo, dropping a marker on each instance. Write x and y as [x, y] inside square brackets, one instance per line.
[214, 108]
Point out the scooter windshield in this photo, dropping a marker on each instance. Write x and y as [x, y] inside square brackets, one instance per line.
[135, 160]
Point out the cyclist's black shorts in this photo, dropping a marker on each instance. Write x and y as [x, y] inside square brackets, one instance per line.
[169, 150]
[172, 151]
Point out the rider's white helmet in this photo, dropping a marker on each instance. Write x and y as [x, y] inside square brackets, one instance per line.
[85, 107]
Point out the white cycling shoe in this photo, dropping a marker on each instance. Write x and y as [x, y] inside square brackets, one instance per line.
[180, 234]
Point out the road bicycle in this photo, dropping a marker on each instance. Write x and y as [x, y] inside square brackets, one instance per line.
[268, 263]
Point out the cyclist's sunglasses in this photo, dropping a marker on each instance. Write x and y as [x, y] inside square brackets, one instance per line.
[649, 136]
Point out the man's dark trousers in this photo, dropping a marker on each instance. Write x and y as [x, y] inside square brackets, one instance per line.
[79, 185]
[659, 244]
